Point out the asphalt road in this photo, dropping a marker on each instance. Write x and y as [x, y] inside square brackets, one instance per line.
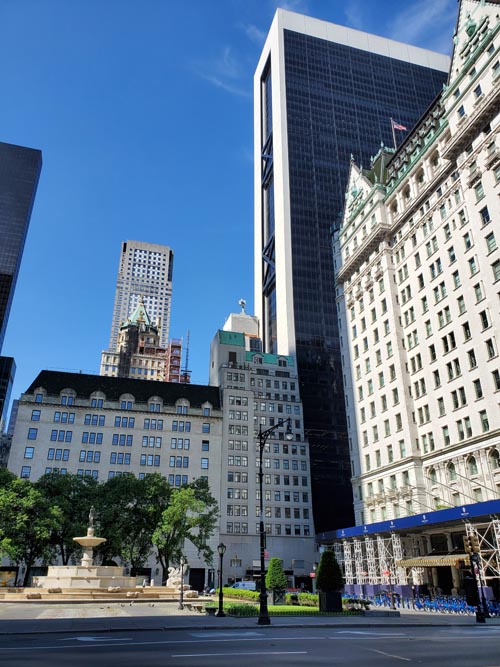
[295, 647]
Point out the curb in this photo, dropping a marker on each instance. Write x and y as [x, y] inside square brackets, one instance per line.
[237, 627]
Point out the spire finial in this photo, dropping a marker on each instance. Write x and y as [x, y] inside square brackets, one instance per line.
[242, 303]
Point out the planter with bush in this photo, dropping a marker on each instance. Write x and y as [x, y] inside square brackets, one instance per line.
[329, 582]
[276, 582]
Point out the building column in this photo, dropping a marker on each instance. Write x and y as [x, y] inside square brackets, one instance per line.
[454, 572]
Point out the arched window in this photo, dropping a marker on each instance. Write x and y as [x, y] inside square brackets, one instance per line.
[495, 459]
[472, 466]
[433, 475]
[452, 473]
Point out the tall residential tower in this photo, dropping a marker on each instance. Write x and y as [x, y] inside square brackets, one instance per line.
[322, 91]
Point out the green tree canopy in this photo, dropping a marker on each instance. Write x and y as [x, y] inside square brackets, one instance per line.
[74, 496]
[128, 511]
[27, 521]
[329, 575]
[275, 577]
[191, 515]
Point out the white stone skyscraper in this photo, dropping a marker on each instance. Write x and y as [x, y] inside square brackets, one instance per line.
[145, 270]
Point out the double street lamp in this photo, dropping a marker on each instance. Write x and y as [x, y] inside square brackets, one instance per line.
[263, 437]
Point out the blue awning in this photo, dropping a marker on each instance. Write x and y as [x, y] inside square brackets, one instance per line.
[463, 513]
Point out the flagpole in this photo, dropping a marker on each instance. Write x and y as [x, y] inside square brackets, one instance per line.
[393, 134]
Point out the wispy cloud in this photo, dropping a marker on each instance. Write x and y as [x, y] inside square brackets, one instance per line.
[228, 87]
[355, 15]
[300, 6]
[253, 33]
[226, 72]
[428, 23]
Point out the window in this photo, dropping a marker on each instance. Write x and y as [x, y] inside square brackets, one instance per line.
[204, 464]
[205, 428]
[496, 379]
[491, 243]
[485, 424]
[25, 472]
[490, 348]
[32, 433]
[495, 267]
[29, 452]
[479, 190]
[484, 319]
[485, 215]
[35, 415]
[478, 389]
[473, 268]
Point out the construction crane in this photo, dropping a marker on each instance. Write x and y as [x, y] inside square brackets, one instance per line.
[185, 373]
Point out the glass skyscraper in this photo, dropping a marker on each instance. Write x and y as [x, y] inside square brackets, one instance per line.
[322, 94]
[19, 173]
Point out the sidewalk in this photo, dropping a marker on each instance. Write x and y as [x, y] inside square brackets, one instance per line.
[24, 618]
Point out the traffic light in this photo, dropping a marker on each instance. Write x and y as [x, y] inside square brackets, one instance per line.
[471, 544]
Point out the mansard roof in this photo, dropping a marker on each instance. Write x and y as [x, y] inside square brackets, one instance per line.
[113, 387]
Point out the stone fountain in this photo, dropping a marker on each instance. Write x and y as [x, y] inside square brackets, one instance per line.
[86, 575]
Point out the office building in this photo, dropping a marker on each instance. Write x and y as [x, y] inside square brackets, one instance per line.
[258, 392]
[19, 173]
[144, 273]
[322, 92]
[418, 273]
[7, 374]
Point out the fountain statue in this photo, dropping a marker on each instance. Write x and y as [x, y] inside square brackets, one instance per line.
[89, 542]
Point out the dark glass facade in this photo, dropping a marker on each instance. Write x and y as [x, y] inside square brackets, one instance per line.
[19, 174]
[7, 373]
[339, 101]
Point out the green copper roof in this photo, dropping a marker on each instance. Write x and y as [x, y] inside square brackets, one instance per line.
[269, 358]
[231, 338]
[140, 314]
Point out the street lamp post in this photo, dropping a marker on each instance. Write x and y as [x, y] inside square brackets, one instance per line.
[181, 599]
[221, 549]
[391, 589]
[263, 436]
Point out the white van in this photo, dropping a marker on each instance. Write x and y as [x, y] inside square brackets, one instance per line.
[245, 585]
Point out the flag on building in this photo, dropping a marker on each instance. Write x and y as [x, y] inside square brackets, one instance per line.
[397, 126]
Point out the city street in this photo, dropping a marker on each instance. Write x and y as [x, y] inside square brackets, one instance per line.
[470, 646]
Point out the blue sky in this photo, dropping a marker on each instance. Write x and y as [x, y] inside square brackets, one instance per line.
[143, 112]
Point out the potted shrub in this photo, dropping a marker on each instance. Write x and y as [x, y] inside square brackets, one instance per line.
[276, 582]
[329, 582]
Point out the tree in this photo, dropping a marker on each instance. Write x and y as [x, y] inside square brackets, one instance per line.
[129, 510]
[329, 577]
[275, 577]
[191, 515]
[74, 496]
[27, 522]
